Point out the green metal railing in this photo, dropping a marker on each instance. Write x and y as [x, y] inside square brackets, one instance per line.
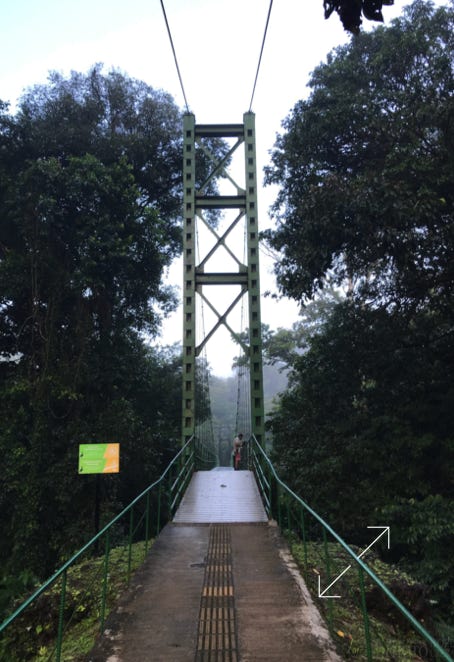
[322, 546]
[140, 521]
[206, 455]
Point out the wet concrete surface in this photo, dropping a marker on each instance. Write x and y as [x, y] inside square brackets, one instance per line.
[156, 620]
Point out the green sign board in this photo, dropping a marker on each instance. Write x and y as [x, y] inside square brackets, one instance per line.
[99, 458]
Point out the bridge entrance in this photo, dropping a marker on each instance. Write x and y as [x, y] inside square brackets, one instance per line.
[203, 262]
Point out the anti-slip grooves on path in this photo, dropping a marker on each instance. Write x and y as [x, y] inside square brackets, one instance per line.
[217, 631]
[215, 590]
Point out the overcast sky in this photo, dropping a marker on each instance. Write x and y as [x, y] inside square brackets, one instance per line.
[217, 44]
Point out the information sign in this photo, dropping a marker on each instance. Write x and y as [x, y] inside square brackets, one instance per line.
[99, 458]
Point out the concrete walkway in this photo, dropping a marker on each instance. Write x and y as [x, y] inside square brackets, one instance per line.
[216, 592]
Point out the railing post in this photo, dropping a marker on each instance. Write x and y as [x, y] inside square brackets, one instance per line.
[105, 580]
[328, 573]
[365, 615]
[303, 532]
[279, 509]
[158, 520]
[147, 522]
[131, 528]
[287, 508]
[169, 497]
[61, 615]
[274, 496]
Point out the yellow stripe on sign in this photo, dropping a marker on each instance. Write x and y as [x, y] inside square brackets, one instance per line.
[112, 457]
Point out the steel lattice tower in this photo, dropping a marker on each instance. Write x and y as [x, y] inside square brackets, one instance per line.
[197, 279]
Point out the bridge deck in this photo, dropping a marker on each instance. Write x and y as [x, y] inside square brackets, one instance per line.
[221, 496]
[219, 585]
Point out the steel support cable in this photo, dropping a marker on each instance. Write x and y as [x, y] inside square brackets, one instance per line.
[174, 56]
[261, 53]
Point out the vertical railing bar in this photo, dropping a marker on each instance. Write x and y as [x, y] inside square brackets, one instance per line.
[131, 528]
[61, 615]
[105, 580]
[169, 497]
[158, 520]
[271, 482]
[365, 615]
[147, 522]
[279, 515]
[328, 573]
[303, 531]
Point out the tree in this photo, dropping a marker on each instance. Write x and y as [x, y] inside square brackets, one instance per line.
[366, 172]
[90, 187]
[365, 431]
[284, 346]
[366, 168]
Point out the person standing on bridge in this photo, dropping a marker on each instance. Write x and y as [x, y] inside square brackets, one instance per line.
[236, 453]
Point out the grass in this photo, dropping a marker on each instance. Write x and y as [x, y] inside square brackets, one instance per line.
[392, 638]
[32, 636]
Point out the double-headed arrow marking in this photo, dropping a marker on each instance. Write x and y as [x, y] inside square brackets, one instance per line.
[321, 594]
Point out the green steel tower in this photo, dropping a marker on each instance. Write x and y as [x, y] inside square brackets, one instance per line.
[197, 279]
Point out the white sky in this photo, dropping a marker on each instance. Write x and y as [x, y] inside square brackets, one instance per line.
[217, 44]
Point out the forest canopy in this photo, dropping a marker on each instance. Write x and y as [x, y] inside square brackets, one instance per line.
[90, 186]
[365, 170]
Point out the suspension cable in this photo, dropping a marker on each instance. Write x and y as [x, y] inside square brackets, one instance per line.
[175, 56]
[261, 53]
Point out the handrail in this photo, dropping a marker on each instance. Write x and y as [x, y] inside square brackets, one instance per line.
[205, 455]
[261, 479]
[185, 463]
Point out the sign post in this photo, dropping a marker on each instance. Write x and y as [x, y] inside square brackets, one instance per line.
[98, 459]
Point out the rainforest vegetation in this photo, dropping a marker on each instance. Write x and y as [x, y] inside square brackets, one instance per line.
[364, 239]
[90, 195]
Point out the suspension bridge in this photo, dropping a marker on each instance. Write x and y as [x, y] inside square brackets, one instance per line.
[216, 580]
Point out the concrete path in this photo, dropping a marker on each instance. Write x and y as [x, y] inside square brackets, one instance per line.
[216, 592]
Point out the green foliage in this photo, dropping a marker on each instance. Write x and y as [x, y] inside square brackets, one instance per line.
[13, 587]
[425, 529]
[366, 167]
[366, 204]
[391, 636]
[284, 346]
[89, 194]
[366, 432]
[32, 636]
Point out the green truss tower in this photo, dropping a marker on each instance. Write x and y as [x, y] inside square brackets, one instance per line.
[197, 277]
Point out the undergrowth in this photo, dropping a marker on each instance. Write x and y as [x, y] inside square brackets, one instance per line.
[32, 636]
[392, 637]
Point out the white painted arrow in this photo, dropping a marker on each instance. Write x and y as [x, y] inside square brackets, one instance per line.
[321, 594]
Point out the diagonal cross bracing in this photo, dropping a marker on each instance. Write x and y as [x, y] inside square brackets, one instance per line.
[221, 239]
[220, 166]
[197, 275]
[222, 319]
